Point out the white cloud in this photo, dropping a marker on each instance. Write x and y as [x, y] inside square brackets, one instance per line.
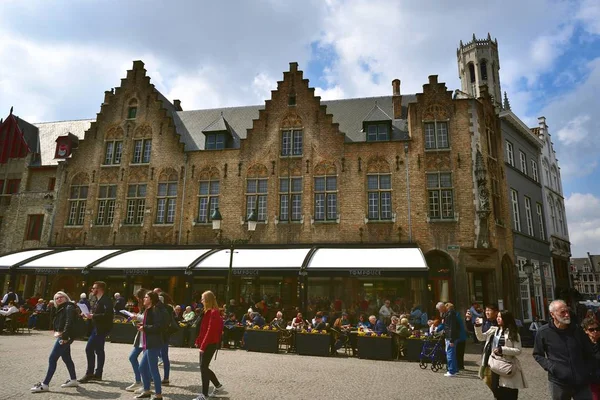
[589, 14]
[575, 130]
[262, 86]
[583, 215]
[332, 93]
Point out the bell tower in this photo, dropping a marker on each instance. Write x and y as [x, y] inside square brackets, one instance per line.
[478, 65]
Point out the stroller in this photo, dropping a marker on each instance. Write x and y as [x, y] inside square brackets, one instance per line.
[433, 352]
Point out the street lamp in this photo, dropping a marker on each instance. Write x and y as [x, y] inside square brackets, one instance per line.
[216, 224]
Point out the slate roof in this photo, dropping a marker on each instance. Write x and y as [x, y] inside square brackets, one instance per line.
[219, 125]
[31, 135]
[49, 131]
[348, 113]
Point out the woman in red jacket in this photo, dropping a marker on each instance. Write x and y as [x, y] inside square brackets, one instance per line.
[209, 337]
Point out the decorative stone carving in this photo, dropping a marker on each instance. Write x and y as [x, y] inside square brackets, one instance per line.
[378, 164]
[293, 166]
[143, 131]
[162, 235]
[209, 172]
[73, 236]
[325, 168]
[291, 120]
[114, 132]
[258, 171]
[108, 175]
[138, 174]
[80, 178]
[437, 161]
[168, 174]
[436, 111]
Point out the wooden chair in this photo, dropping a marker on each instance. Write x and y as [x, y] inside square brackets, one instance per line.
[22, 324]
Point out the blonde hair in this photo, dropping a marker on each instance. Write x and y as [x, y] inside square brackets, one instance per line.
[59, 293]
[210, 301]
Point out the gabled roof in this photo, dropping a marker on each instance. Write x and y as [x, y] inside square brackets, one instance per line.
[12, 141]
[376, 115]
[218, 125]
[49, 131]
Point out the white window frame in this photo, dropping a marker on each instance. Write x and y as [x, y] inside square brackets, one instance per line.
[523, 159]
[514, 195]
[534, 171]
[540, 215]
[529, 216]
[510, 156]
[326, 198]
[441, 135]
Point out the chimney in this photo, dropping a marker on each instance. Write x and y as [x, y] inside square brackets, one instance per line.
[177, 104]
[396, 99]
[543, 127]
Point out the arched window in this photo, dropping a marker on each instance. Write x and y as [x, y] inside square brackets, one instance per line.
[166, 198]
[546, 173]
[483, 68]
[555, 182]
[472, 72]
[561, 221]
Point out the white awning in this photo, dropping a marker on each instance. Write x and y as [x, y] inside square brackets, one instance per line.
[152, 259]
[15, 258]
[255, 259]
[69, 259]
[396, 259]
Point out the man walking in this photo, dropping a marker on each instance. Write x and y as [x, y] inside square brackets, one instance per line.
[451, 334]
[562, 349]
[102, 320]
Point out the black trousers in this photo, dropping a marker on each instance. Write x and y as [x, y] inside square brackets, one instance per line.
[207, 375]
[460, 354]
[503, 393]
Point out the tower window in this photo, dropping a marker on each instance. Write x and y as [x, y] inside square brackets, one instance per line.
[483, 66]
[131, 112]
[472, 72]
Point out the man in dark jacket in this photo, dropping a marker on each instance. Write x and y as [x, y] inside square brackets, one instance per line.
[562, 349]
[102, 320]
[452, 334]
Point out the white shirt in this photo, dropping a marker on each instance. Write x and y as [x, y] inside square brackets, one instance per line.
[6, 297]
[385, 311]
[10, 311]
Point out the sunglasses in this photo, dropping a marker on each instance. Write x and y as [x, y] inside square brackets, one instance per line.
[596, 329]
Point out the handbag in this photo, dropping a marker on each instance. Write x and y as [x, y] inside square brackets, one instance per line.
[500, 365]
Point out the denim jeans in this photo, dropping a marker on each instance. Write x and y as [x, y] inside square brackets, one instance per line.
[95, 346]
[32, 321]
[568, 392]
[451, 357]
[149, 369]
[58, 351]
[133, 359]
[164, 354]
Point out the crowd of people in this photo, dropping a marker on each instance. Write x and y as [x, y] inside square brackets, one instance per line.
[567, 347]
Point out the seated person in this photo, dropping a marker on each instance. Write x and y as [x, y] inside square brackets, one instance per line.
[298, 322]
[278, 322]
[230, 332]
[179, 313]
[395, 322]
[189, 315]
[363, 323]
[342, 327]
[319, 324]
[10, 310]
[403, 331]
[433, 325]
[247, 318]
[40, 307]
[258, 320]
[314, 320]
[378, 326]
[342, 323]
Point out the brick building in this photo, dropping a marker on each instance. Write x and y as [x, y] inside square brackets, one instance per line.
[399, 171]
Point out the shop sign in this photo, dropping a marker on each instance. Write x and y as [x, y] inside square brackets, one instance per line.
[245, 272]
[46, 271]
[365, 272]
[135, 272]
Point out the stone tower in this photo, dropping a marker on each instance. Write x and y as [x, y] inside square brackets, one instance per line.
[478, 65]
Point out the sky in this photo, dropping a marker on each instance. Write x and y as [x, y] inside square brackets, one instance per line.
[58, 57]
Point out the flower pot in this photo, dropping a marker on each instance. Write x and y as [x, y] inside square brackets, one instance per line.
[123, 333]
[374, 348]
[261, 340]
[313, 344]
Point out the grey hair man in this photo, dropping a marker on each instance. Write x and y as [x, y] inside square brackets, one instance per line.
[562, 349]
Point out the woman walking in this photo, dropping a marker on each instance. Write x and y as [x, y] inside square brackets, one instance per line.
[64, 324]
[137, 343]
[207, 341]
[502, 341]
[152, 341]
[592, 329]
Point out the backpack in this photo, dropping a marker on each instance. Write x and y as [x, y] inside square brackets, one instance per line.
[171, 325]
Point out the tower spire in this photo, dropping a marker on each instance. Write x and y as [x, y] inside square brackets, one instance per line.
[506, 104]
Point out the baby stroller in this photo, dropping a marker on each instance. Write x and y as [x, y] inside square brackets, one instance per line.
[433, 352]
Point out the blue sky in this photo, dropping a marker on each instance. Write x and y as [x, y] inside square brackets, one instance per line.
[59, 57]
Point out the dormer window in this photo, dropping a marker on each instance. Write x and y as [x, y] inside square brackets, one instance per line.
[215, 141]
[378, 132]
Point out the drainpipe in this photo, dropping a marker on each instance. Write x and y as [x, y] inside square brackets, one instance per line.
[185, 158]
[408, 192]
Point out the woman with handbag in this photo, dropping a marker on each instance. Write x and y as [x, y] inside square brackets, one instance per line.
[500, 359]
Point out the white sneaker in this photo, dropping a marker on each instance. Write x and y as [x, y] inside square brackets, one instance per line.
[216, 390]
[40, 387]
[200, 397]
[140, 390]
[134, 386]
[450, 375]
[70, 383]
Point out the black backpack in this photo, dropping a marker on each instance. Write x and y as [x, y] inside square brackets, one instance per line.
[171, 325]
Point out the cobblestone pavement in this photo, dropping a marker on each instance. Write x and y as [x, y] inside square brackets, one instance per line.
[23, 362]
